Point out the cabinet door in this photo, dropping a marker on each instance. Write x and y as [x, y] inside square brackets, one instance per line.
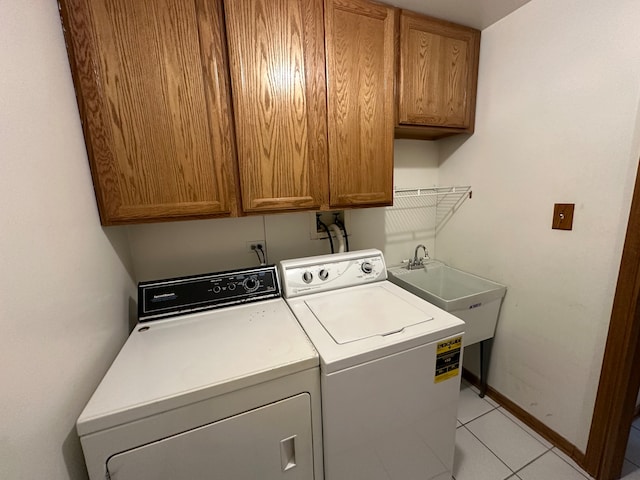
[273, 442]
[438, 72]
[154, 102]
[360, 69]
[276, 52]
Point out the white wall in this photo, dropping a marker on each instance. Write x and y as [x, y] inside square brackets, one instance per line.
[64, 287]
[397, 230]
[186, 248]
[558, 97]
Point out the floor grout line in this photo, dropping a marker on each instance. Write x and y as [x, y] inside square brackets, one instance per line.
[492, 452]
[520, 424]
[572, 466]
[632, 462]
[515, 472]
[536, 458]
[546, 448]
[479, 416]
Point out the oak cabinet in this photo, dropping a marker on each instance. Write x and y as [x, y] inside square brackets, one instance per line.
[360, 42]
[152, 87]
[276, 50]
[437, 78]
[306, 140]
[209, 108]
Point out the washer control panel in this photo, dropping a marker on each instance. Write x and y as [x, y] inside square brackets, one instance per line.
[303, 276]
[177, 296]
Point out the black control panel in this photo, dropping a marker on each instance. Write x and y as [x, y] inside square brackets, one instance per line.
[177, 296]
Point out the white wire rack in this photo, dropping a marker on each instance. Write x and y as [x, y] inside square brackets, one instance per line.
[432, 205]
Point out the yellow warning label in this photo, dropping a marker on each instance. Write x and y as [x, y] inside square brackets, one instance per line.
[448, 359]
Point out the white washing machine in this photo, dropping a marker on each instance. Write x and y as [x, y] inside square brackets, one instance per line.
[217, 380]
[390, 368]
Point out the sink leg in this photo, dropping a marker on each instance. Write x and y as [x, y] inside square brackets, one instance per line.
[485, 356]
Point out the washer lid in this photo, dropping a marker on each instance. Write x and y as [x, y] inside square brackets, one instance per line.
[353, 315]
[365, 316]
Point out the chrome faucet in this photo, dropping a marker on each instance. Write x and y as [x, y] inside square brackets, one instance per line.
[418, 262]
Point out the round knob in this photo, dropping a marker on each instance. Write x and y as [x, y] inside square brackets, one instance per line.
[231, 286]
[366, 267]
[250, 284]
[323, 274]
[216, 289]
[307, 277]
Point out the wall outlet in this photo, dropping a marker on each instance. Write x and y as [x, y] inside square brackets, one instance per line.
[317, 232]
[254, 247]
[252, 244]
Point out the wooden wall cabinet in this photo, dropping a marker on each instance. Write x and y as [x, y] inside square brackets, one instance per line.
[306, 140]
[309, 124]
[276, 50]
[437, 77]
[152, 87]
[360, 42]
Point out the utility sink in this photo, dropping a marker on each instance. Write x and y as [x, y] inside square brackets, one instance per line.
[473, 299]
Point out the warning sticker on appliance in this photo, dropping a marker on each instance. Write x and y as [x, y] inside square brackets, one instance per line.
[448, 359]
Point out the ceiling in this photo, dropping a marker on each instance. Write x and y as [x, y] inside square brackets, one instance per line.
[473, 13]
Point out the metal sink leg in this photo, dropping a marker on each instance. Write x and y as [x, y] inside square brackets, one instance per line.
[485, 356]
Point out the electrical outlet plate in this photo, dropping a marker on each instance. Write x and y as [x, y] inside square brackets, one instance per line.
[251, 244]
[563, 216]
[327, 217]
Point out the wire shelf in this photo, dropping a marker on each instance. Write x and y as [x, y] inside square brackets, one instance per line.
[433, 205]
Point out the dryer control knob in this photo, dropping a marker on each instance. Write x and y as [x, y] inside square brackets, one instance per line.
[323, 274]
[366, 267]
[251, 284]
[307, 277]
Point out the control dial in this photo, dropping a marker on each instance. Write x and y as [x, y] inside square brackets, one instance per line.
[366, 267]
[251, 284]
[323, 274]
[307, 277]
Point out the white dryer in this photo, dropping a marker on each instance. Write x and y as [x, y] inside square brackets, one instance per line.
[217, 380]
[390, 368]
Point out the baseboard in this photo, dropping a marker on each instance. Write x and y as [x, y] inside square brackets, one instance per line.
[556, 439]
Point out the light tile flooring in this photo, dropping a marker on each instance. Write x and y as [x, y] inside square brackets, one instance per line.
[631, 468]
[491, 444]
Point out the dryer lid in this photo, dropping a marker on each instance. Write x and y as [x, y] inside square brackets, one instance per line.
[353, 315]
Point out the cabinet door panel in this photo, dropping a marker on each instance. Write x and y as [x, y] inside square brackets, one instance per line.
[438, 72]
[154, 101]
[276, 53]
[360, 66]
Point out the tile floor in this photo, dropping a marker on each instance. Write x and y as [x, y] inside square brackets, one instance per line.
[491, 444]
[631, 467]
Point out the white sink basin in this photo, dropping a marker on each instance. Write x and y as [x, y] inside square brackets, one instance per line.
[446, 287]
[474, 299]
